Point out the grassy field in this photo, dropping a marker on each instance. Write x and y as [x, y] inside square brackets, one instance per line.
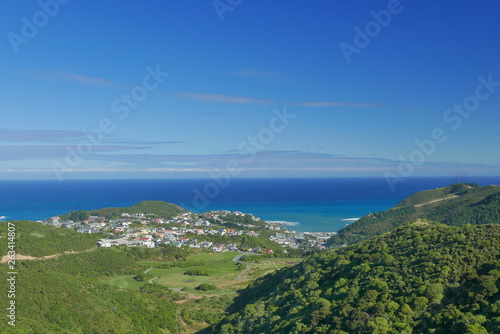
[221, 266]
[268, 266]
[224, 273]
[126, 282]
[228, 276]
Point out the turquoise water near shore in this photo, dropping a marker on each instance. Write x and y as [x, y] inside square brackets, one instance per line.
[315, 217]
[317, 204]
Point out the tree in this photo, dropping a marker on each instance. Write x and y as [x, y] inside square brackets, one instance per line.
[379, 325]
[140, 277]
[79, 216]
[206, 287]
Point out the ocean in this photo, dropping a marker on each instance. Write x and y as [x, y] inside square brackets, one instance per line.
[317, 204]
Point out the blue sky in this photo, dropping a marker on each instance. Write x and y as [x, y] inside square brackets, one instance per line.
[264, 86]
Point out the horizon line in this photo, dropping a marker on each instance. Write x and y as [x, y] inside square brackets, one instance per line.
[256, 178]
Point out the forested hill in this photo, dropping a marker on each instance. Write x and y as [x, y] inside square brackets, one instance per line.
[455, 205]
[419, 278]
[158, 208]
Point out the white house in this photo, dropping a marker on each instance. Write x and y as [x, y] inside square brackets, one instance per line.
[84, 230]
[104, 243]
[218, 248]
[205, 244]
[149, 244]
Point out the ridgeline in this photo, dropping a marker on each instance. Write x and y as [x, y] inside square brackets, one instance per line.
[455, 205]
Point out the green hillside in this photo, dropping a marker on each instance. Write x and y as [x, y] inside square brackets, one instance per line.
[443, 193]
[158, 208]
[455, 205]
[419, 278]
[64, 295]
[106, 290]
[38, 240]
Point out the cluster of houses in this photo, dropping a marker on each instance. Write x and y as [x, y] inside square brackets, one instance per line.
[153, 232]
[96, 224]
[176, 236]
[313, 239]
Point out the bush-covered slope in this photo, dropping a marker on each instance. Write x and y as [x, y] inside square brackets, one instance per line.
[456, 205]
[419, 278]
[38, 240]
[64, 295]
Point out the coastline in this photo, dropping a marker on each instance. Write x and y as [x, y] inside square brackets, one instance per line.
[319, 205]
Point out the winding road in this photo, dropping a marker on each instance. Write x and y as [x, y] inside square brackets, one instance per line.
[247, 268]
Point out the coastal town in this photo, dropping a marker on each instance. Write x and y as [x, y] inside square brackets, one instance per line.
[217, 231]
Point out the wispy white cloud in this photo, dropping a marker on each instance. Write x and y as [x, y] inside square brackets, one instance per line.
[63, 136]
[213, 113]
[288, 161]
[223, 98]
[88, 80]
[322, 104]
[212, 97]
[264, 160]
[37, 152]
[117, 159]
[160, 142]
[11, 135]
[137, 157]
[233, 99]
[255, 74]
[67, 76]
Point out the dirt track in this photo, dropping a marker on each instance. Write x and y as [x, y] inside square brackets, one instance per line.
[436, 200]
[20, 257]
